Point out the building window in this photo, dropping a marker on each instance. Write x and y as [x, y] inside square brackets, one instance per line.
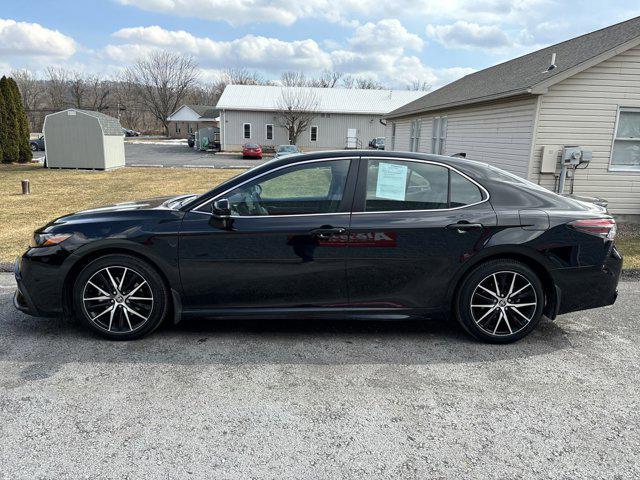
[414, 135]
[247, 130]
[393, 136]
[269, 134]
[189, 128]
[313, 133]
[177, 127]
[438, 135]
[626, 144]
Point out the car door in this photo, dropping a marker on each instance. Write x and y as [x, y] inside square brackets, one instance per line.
[282, 247]
[413, 225]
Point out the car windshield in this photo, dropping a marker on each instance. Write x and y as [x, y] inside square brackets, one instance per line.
[287, 148]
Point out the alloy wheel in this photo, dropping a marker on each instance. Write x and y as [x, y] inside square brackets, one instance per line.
[117, 299]
[503, 303]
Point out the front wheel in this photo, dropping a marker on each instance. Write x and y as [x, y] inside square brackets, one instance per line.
[500, 301]
[121, 297]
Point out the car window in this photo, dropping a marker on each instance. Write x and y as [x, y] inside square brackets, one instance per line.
[403, 185]
[463, 191]
[399, 185]
[298, 190]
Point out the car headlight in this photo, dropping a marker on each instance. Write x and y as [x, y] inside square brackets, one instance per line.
[49, 239]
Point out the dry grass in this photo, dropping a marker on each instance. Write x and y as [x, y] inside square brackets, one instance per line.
[630, 248]
[58, 192]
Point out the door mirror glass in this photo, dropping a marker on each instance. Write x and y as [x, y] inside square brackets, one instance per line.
[221, 208]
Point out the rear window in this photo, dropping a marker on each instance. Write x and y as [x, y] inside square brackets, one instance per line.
[252, 145]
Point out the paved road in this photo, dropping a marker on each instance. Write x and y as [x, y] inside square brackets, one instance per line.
[180, 155]
[321, 400]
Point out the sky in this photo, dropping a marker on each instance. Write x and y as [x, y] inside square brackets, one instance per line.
[396, 42]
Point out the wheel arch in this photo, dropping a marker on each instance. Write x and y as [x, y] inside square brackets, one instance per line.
[86, 259]
[551, 291]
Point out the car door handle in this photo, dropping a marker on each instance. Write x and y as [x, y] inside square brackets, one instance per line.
[326, 232]
[464, 226]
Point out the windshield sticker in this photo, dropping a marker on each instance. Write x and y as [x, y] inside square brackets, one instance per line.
[392, 181]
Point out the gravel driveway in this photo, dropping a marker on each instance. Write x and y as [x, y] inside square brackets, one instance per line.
[321, 400]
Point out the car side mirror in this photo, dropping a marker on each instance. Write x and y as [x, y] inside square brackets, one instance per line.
[221, 208]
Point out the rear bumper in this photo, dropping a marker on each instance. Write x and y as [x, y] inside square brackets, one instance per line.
[583, 288]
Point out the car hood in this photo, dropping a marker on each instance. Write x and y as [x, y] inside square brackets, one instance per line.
[169, 203]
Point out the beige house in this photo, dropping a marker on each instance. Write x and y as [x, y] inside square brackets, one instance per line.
[190, 118]
[582, 92]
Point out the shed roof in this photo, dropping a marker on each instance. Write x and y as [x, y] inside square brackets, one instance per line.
[110, 125]
[330, 100]
[523, 74]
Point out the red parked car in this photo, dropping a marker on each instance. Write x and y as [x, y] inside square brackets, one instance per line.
[252, 150]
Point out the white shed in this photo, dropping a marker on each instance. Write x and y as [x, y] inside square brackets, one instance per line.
[83, 139]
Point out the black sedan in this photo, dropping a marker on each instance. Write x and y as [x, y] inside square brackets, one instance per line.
[347, 234]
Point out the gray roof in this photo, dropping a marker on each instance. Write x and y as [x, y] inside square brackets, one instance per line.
[520, 75]
[205, 111]
[110, 125]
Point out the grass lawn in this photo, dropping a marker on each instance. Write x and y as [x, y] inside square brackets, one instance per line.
[58, 192]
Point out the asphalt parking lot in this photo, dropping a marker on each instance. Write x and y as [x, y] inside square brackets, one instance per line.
[321, 399]
[167, 154]
[176, 155]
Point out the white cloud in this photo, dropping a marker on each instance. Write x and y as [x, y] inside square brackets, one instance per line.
[348, 12]
[32, 39]
[384, 36]
[374, 50]
[250, 51]
[463, 34]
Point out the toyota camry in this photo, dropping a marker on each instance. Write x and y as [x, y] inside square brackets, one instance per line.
[349, 234]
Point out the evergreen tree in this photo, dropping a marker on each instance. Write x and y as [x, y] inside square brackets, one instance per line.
[24, 149]
[1, 127]
[8, 124]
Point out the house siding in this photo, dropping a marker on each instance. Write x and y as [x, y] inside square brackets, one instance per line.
[582, 110]
[332, 130]
[500, 133]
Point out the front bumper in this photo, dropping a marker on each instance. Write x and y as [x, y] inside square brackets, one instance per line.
[39, 288]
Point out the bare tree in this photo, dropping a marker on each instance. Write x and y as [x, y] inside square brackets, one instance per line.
[327, 79]
[32, 91]
[419, 86]
[242, 76]
[297, 106]
[57, 80]
[162, 81]
[362, 82]
[77, 89]
[293, 79]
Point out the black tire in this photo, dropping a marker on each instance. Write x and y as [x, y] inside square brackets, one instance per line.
[510, 318]
[142, 295]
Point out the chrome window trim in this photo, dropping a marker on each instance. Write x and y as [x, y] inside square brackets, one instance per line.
[317, 160]
[450, 167]
[482, 189]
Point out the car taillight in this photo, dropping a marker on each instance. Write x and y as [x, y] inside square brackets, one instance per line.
[603, 227]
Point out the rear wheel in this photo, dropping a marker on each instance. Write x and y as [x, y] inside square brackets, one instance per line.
[121, 297]
[500, 301]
